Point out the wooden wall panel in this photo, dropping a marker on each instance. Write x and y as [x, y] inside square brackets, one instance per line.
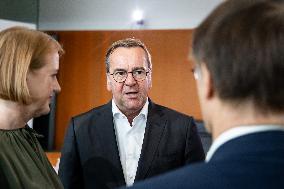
[83, 79]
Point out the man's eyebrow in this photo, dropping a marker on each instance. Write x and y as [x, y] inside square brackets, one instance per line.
[119, 69]
[135, 68]
[138, 68]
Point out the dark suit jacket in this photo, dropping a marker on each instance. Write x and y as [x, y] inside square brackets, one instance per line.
[253, 161]
[90, 156]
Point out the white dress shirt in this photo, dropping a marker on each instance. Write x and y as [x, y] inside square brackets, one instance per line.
[129, 139]
[237, 132]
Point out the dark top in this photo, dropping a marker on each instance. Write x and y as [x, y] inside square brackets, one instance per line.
[23, 163]
[90, 156]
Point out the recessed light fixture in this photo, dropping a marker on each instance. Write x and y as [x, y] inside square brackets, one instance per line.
[138, 16]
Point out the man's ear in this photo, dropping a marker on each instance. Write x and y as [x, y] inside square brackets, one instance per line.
[207, 80]
[150, 79]
[108, 83]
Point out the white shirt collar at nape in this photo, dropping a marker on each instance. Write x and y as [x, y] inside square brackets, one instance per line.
[237, 132]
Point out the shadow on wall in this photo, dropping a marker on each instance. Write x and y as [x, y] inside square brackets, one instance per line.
[205, 137]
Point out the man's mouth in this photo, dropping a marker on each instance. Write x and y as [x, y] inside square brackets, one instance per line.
[131, 94]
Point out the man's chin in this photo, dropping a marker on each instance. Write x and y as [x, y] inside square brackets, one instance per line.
[135, 105]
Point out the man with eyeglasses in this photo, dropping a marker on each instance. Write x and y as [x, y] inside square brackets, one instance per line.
[130, 138]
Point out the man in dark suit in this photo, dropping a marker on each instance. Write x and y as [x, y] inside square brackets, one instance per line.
[239, 71]
[130, 138]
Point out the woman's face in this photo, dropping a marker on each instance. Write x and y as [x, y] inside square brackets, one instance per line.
[43, 84]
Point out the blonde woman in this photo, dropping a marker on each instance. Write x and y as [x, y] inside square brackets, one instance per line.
[29, 62]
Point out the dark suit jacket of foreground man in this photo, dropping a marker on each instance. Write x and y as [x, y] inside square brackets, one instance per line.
[90, 156]
[250, 161]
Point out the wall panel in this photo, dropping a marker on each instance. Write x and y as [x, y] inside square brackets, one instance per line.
[83, 79]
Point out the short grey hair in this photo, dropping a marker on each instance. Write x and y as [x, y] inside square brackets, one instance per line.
[127, 43]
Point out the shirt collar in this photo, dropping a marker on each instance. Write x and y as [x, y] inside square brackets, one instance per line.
[116, 111]
[237, 132]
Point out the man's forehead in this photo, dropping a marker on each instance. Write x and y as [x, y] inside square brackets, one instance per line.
[122, 59]
[121, 51]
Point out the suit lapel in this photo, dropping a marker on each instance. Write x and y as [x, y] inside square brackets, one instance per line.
[110, 150]
[153, 133]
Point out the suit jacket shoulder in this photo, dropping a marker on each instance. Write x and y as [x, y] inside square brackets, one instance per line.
[172, 119]
[90, 157]
[170, 113]
[251, 161]
[92, 116]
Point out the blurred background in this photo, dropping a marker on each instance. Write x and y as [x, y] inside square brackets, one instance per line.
[86, 28]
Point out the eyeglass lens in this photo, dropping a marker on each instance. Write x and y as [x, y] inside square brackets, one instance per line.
[121, 75]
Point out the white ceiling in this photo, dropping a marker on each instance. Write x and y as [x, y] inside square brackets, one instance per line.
[116, 14]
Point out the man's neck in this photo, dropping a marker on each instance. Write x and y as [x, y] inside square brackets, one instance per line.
[131, 115]
[227, 117]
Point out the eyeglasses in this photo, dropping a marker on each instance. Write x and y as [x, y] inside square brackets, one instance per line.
[196, 73]
[121, 75]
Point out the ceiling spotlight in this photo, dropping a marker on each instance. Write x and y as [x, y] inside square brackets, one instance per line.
[138, 16]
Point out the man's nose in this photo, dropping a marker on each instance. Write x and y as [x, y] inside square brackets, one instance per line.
[130, 79]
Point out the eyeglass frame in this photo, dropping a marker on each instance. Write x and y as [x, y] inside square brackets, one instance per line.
[196, 72]
[147, 71]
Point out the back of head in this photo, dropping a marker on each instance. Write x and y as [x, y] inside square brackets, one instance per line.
[242, 44]
[21, 50]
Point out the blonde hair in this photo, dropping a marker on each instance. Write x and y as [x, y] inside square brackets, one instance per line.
[21, 50]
